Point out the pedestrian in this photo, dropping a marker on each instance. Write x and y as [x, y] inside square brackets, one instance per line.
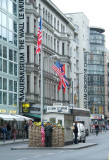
[97, 129]
[14, 131]
[30, 122]
[75, 133]
[4, 131]
[8, 131]
[0, 131]
[26, 129]
[48, 134]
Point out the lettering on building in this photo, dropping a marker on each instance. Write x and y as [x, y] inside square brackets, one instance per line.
[21, 51]
[85, 81]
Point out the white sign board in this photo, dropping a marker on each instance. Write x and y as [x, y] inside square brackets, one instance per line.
[58, 109]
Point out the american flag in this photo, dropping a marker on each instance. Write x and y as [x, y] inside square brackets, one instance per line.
[43, 135]
[39, 40]
[57, 68]
[60, 70]
[63, 82]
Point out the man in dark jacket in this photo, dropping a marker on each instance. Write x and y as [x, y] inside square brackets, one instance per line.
[48, 134]
[8, 131]
[75, 132]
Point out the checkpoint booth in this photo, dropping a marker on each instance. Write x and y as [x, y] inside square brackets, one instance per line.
[62, 115]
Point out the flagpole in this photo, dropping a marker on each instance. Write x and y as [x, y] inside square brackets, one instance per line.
[42, 68]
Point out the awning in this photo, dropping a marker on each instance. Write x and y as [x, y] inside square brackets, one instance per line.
[22, 118]
[9, 117]
[34, 115]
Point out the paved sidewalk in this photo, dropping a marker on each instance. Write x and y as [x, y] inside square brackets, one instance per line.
[12, 141]
[26, 147]
[66, 147]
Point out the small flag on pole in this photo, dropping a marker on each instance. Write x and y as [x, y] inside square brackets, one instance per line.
[39, 40]
[43, 135]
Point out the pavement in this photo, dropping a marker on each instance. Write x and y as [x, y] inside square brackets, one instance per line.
[7, 142]
[26, 147]
[67, 147]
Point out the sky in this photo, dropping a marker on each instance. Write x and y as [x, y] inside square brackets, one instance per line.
[97, 11]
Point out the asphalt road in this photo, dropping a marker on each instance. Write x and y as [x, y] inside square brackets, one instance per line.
[98, 152]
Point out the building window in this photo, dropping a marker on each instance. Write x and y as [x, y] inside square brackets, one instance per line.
[55, 45]
[55, 23]
[4, 97]
[39, 9]
[5, 66]
[49, 40]
[27, 24]
[10, 98]
[68, 49]
[28, 52]
[51, 20]
[46, 16]
[43, 13]
[28, 84]
[34, 26]
[11, 68]
[54, 91]
[35, 60]
[4, 84]
[0, 97]
[46, 38]
[4, 52]
[35, 85]
[0, 82]
[63, 48]
[58, 26]
[15, 99]
[10, 85]
[15, 86]
[51, 43]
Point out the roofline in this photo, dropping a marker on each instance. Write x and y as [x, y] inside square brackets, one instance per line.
[60, 13]
[101, 30]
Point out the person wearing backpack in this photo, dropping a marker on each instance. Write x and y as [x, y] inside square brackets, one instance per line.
[48, 134]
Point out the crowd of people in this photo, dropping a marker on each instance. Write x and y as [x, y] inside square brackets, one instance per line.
[5, 131]
[10, 130]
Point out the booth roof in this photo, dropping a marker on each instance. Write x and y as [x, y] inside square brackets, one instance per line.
[9, 117]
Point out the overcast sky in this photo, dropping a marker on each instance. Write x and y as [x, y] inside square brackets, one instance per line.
[97, 11]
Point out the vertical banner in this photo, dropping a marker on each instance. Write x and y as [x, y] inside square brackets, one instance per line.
[85, 81]
[21, 50]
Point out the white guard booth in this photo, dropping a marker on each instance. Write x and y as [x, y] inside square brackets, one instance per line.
[62, 115]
